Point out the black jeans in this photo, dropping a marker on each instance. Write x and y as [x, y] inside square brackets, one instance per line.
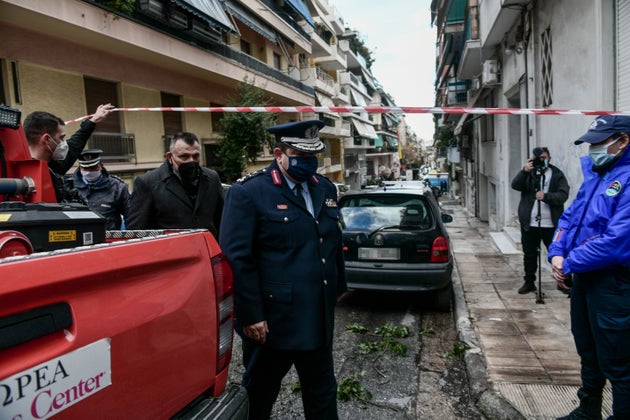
[530, 241]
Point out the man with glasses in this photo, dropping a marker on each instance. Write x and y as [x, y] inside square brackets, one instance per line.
[591, 251]
[46, 136]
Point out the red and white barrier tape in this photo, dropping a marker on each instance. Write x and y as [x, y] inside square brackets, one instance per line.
[375, 110]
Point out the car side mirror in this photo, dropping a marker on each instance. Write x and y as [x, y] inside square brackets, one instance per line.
[446, 218]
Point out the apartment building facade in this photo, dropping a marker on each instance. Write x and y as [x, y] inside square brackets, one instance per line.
[68, 56]
[565, 54]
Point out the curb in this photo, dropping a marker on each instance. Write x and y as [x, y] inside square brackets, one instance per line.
[491, 403]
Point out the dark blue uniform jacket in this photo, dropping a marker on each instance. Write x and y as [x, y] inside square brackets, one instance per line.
[288, 265]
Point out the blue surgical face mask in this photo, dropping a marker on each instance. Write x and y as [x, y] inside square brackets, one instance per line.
[301, 167]
[599, 154]
[90, 176]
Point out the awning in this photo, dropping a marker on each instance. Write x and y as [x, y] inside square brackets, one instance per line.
[209, 10]
[300, 7]
[357, 97]
[369, 79]
[250, 20]
[364, 129]
[325, 101]
[389, 138]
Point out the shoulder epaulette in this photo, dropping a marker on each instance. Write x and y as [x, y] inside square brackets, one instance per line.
[116, 177]
[251, 175]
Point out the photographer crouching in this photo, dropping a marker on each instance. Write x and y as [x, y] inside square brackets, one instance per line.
[544, 189]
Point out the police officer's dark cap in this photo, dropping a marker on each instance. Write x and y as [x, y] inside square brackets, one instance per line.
[302, 136]
[604, 127]
[89, 158]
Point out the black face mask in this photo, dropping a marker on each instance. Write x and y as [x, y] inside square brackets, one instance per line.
[189, 172]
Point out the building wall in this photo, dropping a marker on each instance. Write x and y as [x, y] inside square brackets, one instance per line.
[583, 78]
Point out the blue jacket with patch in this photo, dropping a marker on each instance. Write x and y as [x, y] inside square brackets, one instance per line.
[594, 232]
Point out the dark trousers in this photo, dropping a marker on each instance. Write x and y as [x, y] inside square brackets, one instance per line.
[530, 241]
[266, 367]
[600, 322]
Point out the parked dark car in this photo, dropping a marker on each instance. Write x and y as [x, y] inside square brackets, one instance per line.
[394, 239]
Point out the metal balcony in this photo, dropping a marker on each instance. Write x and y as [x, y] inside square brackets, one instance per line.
[116, 147]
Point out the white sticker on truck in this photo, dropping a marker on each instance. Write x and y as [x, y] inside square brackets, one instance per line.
[49, 388]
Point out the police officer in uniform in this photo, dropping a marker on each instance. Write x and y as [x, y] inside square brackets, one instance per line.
[281, 232]
[104, 193]
[591, 249]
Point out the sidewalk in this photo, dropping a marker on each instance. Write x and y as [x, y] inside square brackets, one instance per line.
[523, 363]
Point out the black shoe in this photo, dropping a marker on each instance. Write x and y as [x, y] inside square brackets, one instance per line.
[526, 288]
[563, 290]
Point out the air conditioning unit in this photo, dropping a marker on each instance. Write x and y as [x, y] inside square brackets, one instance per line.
[476, 84]
[490, 72]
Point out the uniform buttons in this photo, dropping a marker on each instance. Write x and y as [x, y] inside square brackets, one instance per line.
[286, 219]
[325, 282]
[323, 260]
[321, 240]
[317, 222]
[270, 296]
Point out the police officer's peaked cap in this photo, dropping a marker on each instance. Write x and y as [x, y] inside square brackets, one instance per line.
[90, 157]
[302, 136]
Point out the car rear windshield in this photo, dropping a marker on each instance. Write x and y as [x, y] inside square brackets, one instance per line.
[369, 212]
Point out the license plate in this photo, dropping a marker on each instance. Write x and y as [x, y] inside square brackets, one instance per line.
[391, 254]
[50, 387]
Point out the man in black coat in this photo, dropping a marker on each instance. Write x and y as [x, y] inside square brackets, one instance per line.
[544, 189]
[281, 232]
[180, 194]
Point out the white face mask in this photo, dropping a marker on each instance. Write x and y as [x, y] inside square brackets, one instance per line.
[90, 176]
[61, 151]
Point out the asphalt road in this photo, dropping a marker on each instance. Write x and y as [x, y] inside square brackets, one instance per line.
[420, 376]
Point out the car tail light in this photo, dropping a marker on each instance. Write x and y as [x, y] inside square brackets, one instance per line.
[14, 243]
[439, 250]
[224, 288]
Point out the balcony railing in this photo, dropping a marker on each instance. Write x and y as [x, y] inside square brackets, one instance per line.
[116, 147]
[155, 18]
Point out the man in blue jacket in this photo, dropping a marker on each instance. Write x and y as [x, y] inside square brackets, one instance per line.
[591, 249]
[105, 194]
[281, 232]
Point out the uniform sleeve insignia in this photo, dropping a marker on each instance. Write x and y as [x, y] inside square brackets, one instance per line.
[330, 202]
[613, 189]
[282, 207]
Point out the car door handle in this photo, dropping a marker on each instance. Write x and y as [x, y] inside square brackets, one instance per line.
[34, 323]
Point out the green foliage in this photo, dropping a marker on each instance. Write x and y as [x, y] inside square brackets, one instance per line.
[388, 332]
[444, 138]
[123, 6]
[350, 388]
[244, 133]
[357, 328]
[459, 348]
[358, 47]
[427, 330]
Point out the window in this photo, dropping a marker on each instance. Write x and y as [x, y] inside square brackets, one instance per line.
[486, 122]
[277, 63]
[99, 92]
[172, 120]
[246, 47]
[217, 119]
[547, 79]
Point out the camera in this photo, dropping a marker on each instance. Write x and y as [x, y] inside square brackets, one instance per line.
[539, 164]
